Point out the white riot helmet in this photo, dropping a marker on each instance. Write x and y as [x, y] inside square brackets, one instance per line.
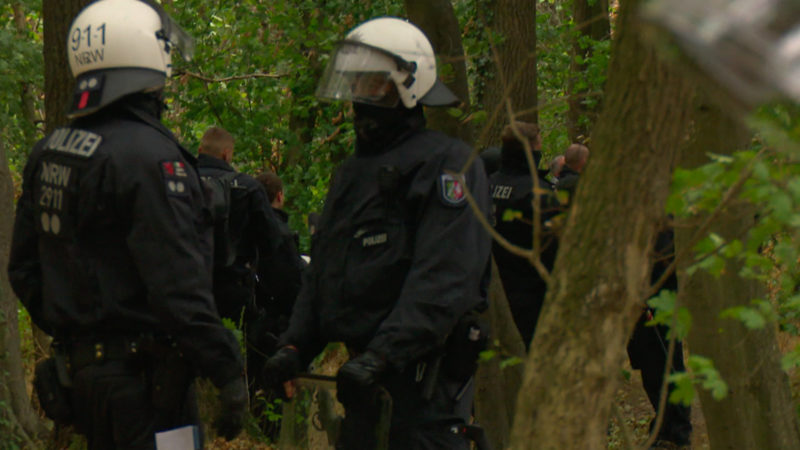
[379, 54]
[119, 47]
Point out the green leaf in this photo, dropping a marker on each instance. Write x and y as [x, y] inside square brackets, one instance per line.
[750, 317]
[510, 362]
[791, 359]
[683, 393]
[486, 355]
[510, 215]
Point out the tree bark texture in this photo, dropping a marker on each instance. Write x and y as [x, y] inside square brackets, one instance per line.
[758, 412]
[601, 274]
[58, 80]
[496, 388]
[515, 72]
[438, 20]
[592, 21]
[13, 390]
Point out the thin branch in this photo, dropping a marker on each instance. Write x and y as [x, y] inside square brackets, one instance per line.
[249, 76]
[730, 194]
[506, 94]
[662, 396]
[535, 256]
[514, 249]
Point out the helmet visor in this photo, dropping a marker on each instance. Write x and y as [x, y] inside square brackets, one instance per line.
[359, 73]
[172, 33]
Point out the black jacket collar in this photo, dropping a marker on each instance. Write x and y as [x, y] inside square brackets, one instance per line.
[204, 160]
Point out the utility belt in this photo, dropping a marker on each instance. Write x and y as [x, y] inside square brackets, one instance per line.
[79, 353]
[457, 361]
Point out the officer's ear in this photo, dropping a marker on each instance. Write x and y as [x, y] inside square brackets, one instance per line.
[278, 201]
[227, 154]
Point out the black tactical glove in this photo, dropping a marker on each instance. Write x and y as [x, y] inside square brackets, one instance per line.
[233, 399]
[359, 377]
[281, 367]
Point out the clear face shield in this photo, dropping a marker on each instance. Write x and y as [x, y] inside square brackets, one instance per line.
[750, 46]
[172, 33]
[363, 74]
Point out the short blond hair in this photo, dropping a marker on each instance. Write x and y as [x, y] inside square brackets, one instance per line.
[215, 140]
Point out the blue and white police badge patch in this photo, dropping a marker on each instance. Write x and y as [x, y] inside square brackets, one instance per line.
[451, 189]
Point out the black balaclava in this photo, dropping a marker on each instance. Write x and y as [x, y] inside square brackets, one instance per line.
[378, 128]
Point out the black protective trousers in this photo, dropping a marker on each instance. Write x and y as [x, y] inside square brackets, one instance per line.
[416, 423]
[647, 350]
[113, 404]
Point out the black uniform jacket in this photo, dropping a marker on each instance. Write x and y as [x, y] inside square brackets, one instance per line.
[110, 238]
[399, 256]
[568, 181]
[512, 190]
[260, 237]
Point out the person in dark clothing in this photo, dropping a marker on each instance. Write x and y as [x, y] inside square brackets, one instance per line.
[491, 159]
[647, 351]
[513, 189]
[575, 158]
[399, 262]
[260, 255]
[274, 186]
[255, 233]
[111, 251]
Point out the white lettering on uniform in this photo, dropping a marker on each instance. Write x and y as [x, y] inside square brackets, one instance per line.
[75, 142]
[502, 192]
[55, 174]
[374, 240]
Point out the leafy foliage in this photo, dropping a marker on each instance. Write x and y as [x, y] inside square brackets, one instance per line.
[700, 371]
[21, 78]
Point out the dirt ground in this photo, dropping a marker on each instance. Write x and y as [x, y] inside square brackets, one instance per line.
[635, 409]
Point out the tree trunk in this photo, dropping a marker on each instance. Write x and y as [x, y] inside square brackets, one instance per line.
[602, 270]
[758, 412]
[496, 388]
[515, 74]
[592, 21]
[438, 20]
[13, 390]
[302, 119]
[58, 81]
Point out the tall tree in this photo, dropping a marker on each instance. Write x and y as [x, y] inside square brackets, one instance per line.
[438, 20]
[601, 274]
[58, 80]
[758, 411]
[512, 34]
[13, 389]
[592, 22]
[497, 382]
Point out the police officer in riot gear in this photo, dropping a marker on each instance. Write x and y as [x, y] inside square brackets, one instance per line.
[110, 253]
[399, 261]
[512, 189]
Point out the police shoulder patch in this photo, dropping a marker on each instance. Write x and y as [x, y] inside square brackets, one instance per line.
[175, 177]
[451, 189]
